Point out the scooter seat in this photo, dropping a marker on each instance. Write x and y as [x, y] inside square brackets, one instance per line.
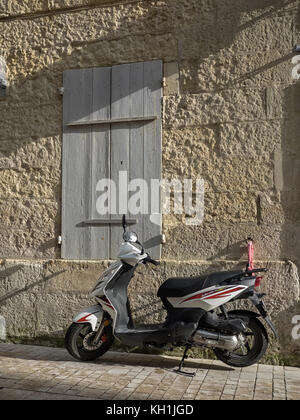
[181, 286]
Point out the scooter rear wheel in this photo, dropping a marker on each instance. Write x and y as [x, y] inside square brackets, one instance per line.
[254, 348]
[79, 342]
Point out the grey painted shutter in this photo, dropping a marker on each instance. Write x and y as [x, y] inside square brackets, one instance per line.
[111, 123]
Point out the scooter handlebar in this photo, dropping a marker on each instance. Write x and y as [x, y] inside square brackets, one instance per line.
[257, 270]
[151, 261]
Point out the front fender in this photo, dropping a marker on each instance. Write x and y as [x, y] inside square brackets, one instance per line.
[92, 315]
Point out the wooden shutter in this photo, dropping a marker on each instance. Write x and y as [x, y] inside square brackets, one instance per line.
[111, 123]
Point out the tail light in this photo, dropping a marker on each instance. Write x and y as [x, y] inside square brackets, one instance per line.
[257, 282]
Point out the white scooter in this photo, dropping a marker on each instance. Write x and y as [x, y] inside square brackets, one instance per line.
[196, 315]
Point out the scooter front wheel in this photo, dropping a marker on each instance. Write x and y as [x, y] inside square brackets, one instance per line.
[79, 341]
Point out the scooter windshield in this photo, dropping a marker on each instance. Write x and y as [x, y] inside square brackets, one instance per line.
[108, 274]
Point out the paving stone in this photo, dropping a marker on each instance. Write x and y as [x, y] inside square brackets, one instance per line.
[41, 373]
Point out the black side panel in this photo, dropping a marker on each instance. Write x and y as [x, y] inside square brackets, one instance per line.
[177, 334]
[185, 315]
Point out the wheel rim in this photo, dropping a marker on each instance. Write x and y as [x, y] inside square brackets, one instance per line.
[248, 348]
[84, 340]
[247, 339]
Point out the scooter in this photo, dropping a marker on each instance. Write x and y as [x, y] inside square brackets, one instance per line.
[196, 313]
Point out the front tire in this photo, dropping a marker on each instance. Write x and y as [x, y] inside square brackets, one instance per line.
[78, 341]
[255, 347]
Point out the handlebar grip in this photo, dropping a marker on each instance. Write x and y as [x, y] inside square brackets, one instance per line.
[150, 260]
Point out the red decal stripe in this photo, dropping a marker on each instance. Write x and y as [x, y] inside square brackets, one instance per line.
[84, 318]
[193, 297]
[201, 295]
[106, 302]
[225, 293]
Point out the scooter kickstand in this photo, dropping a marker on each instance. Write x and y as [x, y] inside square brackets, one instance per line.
[179, 370]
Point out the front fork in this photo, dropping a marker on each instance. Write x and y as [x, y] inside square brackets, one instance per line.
[99, 332]
[259, 304]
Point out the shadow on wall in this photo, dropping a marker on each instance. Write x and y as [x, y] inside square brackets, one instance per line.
[31, 115]
[289, 165]
[289, 175]
[41, 86]
[6, 273]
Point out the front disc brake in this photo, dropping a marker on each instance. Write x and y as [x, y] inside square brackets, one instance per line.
[88, 343]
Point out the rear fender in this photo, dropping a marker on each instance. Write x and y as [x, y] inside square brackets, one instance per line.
[245, 313]
[248, 314]
[92, 315]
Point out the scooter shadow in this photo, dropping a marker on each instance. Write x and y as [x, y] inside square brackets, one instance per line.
[115, 358]
[161, 362]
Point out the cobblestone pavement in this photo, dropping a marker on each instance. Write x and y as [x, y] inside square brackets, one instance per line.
[39, 373]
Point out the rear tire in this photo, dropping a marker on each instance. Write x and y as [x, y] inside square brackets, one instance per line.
[76, 342]
[258, 348]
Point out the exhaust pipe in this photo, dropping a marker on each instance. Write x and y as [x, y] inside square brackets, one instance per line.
[212, 339]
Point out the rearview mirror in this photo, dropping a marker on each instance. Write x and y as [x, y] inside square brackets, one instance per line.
[130, 237]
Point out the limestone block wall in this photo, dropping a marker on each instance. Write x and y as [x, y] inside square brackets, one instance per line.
[230, 116]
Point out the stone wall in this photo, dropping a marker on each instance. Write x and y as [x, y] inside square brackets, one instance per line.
[230, 116]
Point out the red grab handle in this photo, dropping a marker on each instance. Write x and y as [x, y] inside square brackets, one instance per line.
[250, 265]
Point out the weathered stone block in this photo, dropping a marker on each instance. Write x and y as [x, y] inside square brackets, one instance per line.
[274, 33]
[171, 79]
[237, 27]
[288, 324]
[45, 121]
[194, 243]
[290, 242]
[72, 277]
[270, 209]
[290, 202]
[9, 8]
[230, 69]
[212, 108]
[283, 101]
[290, 135]
[250, 140]
[230, 207]
[33, 153]
[237, 174]
[233, 160]
[221, 240]
[290, 162]
[30, 243]
[39, 183]
[2, 328]
[30, 213]
[189, 147]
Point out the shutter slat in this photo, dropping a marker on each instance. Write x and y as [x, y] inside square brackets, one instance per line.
[136, 170]
[76, 169]
[120, 137]
[152, 142]
[100, 158]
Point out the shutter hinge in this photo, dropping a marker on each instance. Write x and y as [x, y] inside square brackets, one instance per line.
[61, 91]
[164, 82]
[59, 240]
